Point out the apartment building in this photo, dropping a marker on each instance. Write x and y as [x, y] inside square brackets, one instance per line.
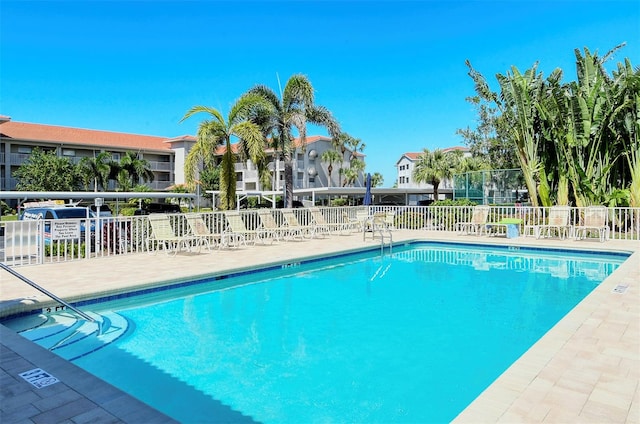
[166, 156]
[309, 170]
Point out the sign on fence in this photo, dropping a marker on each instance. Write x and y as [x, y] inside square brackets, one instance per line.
[65, 230]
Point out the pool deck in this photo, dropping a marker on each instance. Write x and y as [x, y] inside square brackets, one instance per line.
[585, 369]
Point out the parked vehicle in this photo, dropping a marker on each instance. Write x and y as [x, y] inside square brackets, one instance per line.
[67, 231]
[105, 211]
[158, 208]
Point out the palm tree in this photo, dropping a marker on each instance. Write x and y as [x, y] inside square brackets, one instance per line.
[340, 143]
[130, 171]
[217, 132]
[351, 174]
[331, 157]
[354, 145]
[433, 167]
[292, 111]
[96, 170]
[376, 179]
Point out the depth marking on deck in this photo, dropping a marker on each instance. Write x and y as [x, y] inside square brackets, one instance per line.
[39, 378]
[620, 288]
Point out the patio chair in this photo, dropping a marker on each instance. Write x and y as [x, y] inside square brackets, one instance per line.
[558, 222]
[390, 220]
[236, 232]
[594, 220]
[198, 229]
[359, 223]
[377, 224]
[477, 223]
[163, 235]
[269, 228]
[293, 226]
[322, 226]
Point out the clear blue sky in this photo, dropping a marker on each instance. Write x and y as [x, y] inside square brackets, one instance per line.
[393, 73]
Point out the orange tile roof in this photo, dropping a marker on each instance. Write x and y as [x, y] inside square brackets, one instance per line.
[412, 155]
[68, 135]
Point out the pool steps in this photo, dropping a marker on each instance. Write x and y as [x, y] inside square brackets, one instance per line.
[72, 337]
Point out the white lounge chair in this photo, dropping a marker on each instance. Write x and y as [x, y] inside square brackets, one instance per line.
[198, 229]
[269, 228]
[360, 221]
[163, 235]
[293, 227]
[390, 220]
[558, 222]
[236, 232]
[594, 220]
[477, 223]
[322, 225]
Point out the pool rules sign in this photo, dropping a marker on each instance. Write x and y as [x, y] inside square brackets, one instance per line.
[65, 230]
[39, 378]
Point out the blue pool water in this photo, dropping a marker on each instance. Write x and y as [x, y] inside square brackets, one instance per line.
[410, 337]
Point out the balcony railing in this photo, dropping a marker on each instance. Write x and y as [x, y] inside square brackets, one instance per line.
[160, 166]
[18, 158]
[160, 185]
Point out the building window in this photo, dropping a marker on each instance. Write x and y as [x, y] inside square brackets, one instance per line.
[24, 149]
[68, 152]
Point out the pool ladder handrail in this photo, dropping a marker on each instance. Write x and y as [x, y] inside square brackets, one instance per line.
[48, 293]
[377, 223]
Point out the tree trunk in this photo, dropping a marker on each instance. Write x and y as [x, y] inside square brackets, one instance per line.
[288, 180]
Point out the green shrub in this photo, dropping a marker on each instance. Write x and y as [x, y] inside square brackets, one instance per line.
[459, 202]
[339, 202]
[4, 208]
[410, 220]
[128, 211]
[70, 249]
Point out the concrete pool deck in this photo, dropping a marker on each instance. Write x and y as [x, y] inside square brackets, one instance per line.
[585, 369]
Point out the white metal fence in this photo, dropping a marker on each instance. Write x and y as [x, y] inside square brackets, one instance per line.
[48, 241]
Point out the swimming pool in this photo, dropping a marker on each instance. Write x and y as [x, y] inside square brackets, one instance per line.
[416, 337]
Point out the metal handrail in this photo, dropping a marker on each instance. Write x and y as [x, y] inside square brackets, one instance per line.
[47, 292]
[374, 224]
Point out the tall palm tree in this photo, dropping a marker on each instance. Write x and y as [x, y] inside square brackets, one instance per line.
[331, 157]
[292, 111]
[433, 167]
[95, 170]
[354, 145]
[216, 132]
[341, 143]
[134, 169]
[377, 179]
[351, 174]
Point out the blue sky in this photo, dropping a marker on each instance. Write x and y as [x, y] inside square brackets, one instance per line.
[393, 73]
